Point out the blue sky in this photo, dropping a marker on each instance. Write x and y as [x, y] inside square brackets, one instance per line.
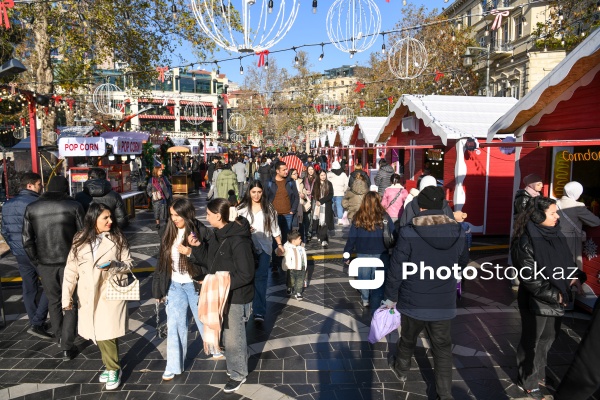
[310, 28]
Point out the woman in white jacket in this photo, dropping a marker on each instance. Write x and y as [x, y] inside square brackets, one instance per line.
[339, 181]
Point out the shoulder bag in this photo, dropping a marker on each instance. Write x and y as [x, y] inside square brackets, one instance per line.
[388, 237]
[395, 197]
[121, 290]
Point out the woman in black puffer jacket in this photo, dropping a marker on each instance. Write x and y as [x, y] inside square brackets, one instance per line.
[539, 246]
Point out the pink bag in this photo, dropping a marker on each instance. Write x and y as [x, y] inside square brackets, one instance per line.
[385, 320]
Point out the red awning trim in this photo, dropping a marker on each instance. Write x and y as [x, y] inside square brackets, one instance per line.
[199, 118]
[146, 116]
[543, 143]
[204, 103]
[415, 147]
[156, 101]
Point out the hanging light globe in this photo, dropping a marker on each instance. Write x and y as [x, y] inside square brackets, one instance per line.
[245, 26]
[353, 25]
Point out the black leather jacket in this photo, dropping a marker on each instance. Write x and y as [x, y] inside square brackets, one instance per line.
[521, 200]
[100, 191]
[49, 226]
[536, 293]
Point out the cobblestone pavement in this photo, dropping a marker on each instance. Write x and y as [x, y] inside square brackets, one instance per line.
[311, 349]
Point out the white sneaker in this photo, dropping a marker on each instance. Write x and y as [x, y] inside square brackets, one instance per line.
[324, 243]
[114, 380]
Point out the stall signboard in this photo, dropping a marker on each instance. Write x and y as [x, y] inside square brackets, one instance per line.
[81, 147]
[212, 149]
[124, 145]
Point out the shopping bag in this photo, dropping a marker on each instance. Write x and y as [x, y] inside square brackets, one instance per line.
[385, 320]
[345, 220]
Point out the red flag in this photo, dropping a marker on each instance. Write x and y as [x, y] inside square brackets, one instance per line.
[438, 75]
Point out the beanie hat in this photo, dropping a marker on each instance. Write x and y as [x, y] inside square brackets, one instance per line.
[431, 198]
[532, 178]
[427, 181]
[335, 165]
[58, 184]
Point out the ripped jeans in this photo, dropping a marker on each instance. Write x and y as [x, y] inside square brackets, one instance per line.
[234, 339]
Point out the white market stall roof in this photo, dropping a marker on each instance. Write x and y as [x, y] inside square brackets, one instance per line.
[369, 128]
[575, 70]
[449, 117]
[345, 133]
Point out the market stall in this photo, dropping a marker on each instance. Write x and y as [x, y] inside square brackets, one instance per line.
[181, 181]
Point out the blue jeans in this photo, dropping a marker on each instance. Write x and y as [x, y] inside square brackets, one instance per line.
[285, 225]
[373, 296]
[36, 311]
[180, 298]
[338, 210]
[234, 339]
[259, 304]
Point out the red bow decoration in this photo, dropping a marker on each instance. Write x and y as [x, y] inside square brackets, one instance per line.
[46, 110]
[22, 121]
[438, 75]
[225, 98]
[4, 6]
[70, 102]
[391, 99]
[318, 108]
[57, 100]
[161, 73]
[266, 109]
[214, 112]
[362, 104]
[498, 20]
[13, 86]
[261, 57]
[359, 86]
[171, 110]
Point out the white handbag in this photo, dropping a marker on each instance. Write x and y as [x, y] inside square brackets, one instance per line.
[116, 290]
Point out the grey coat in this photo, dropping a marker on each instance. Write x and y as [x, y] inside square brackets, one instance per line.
[580, 216]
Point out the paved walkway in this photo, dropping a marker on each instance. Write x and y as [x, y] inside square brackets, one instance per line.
[311, 349]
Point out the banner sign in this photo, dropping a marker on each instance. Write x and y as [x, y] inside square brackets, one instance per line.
[81, 147]
[212, 149]
[124, 145]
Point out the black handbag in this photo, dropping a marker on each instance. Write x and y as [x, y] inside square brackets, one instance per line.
[389, 241]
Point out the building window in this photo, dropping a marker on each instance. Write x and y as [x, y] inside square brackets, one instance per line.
[482, 42]
[469, 17]
[342, 83]
[505, 34]
[518, 22]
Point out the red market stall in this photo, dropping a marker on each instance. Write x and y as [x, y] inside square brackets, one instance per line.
[441, 134]
[364, 141]
[557, 130]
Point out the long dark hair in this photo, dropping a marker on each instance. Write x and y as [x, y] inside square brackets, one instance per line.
[536, 208]
[219, 206]
[88, 234]
[370, 214]
[317, 186]
[185, 209]
[269, 213]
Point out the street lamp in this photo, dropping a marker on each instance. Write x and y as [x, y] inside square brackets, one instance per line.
[468, 62]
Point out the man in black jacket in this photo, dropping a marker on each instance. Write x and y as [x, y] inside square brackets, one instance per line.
[98, 190]
[49, 226]
[429, 303]
[13, 212]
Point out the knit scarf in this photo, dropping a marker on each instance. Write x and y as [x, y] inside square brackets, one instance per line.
[212, 302]
[550, 250]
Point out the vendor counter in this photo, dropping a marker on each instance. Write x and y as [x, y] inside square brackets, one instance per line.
[182, 183]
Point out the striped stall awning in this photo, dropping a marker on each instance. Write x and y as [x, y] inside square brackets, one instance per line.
[167, 117]
[156, 101]
[204, 103]
[210, 119]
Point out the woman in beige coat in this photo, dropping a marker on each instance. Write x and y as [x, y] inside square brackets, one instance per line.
[100, 251]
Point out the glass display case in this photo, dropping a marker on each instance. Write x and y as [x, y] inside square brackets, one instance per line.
[119, 176]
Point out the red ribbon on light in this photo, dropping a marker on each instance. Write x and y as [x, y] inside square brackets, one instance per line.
[4, 6]
[22, 121]
[225, 98]
[438, 75]
[391, 99]
[266, 109]
[171, 110]
[261, 57]
[359, 86]
[362, 104]
[498, 20]
[56, 99]
[161, 73]
[46, 110]
[70, 103]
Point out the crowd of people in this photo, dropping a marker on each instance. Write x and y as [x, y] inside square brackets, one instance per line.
[261, 216]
